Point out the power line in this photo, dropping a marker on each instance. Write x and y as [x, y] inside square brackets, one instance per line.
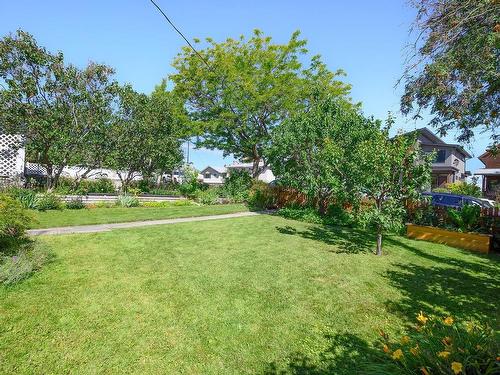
[180, 33]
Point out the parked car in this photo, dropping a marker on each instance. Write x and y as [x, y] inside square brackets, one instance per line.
[455, 200]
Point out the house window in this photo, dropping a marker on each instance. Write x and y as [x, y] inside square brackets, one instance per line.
[440, 156]
[207, 175]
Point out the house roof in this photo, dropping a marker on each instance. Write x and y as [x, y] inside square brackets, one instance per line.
[216, 169]
[243, 165]
[488, 171]
[436, 141]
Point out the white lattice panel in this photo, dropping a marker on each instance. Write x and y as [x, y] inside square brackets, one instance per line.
[11, 157]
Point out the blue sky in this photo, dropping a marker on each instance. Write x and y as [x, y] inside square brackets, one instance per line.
[364, 38]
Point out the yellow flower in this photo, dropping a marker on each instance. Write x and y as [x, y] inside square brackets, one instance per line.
[424, 371]
[386, 348]
[414, 351]
[469, 327]
[456, 367]
[422, 318]
[397, 354]
[444, 354]
[405, 340]
[448, 321]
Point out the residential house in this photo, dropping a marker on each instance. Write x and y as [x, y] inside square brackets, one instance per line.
[491, 174]
[216, 176]
[450, 162]
[213, 175]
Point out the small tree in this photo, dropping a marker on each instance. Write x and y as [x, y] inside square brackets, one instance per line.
[145, 135]
[394, 170]
[315, 150]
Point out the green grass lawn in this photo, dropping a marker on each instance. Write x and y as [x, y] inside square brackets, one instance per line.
[249, 295]
[63, 218]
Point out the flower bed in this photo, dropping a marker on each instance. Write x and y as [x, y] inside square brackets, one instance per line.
[469, 241]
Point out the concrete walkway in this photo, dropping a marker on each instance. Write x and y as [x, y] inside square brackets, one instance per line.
[134, 224]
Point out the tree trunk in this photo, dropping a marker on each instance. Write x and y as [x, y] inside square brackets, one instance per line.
[256, 168]
[379, 241]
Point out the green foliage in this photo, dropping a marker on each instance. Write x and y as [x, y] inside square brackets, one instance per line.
[48, 201]
[145, 134]
[61, 110]
[237, 186]
[444, 346]
[27, 197]
[14, 221]
[190, 184]
[261, 196]
[315, 151]
[306, 214]
[249, 86]
[453, 71]
[126, 200]
[465, 219]
[394, 171]
[208, 196]
[29, 258]
[75, 204]
[465, 188]
[66, 185]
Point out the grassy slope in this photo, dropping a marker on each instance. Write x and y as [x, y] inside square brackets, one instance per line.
[244, 295]
[60, 218]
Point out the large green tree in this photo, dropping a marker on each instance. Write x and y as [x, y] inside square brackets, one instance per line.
[237, 91]
[62, 111]
[454, 66]
[315, 150]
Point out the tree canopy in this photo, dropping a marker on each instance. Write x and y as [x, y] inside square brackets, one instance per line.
[315, 150]
[239, 90]
[62, 111]
[454, 68]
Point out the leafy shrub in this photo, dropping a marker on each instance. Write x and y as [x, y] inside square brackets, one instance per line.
[466, 219]
[48, 201]
[209, 196]
[14, 221]
[127, 201]
[461, 188]
[75, 204]
[101, 205]
[27, 198]
[237, 186]
[190, 184]
[261, 196]
[30, 257]
[443, 346]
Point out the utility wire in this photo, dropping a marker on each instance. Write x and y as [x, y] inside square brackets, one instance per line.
[180, 33]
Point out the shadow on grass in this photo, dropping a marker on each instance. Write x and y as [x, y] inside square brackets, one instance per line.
[452, 286]
[346, 240]
[345, 354]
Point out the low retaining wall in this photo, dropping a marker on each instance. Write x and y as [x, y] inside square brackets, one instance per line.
[469, 241]
[111, 198]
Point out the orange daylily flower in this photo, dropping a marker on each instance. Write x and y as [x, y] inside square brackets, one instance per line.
[386, 348]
